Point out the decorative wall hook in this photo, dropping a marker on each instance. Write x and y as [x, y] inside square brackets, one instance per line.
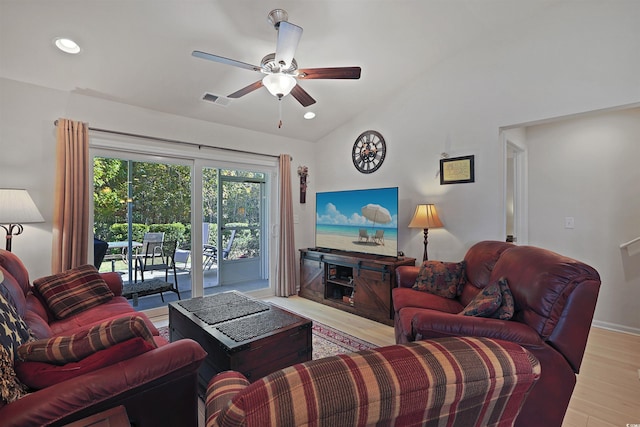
[303, 173]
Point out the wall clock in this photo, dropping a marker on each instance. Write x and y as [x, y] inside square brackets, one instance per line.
[369, 151]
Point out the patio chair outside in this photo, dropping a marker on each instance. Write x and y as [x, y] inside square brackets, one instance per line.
[211, 252]
[162, 260]
[150, 253]
[205, 233]
[183, 255]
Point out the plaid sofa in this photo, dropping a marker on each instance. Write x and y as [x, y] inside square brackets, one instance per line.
[448, 381]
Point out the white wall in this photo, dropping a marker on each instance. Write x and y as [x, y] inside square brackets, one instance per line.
[583, 56]
[587, 168]
[27, 143]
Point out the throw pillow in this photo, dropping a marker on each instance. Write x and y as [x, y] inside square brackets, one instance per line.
[13, 332]
[485, 303]
[73, 291]
[65, 349]
[507, 307]
[39, 375]
[441, 278]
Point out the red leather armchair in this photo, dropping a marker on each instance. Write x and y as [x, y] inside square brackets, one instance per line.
[554, 296]
[157, 388]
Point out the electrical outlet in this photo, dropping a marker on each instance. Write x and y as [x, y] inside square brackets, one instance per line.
[569, 222]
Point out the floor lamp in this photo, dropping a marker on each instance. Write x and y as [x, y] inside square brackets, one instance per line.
[425, 217]
[16, 208]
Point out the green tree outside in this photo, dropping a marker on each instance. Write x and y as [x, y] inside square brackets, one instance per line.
[161, 201]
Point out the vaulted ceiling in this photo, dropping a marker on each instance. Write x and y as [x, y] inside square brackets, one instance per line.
[138, 52]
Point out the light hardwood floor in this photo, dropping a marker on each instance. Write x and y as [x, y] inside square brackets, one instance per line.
[608, 390]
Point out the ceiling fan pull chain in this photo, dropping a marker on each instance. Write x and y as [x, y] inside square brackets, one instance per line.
[279, 112]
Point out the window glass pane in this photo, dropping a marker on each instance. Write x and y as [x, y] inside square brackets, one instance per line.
[241, 202]
[132, 198]
[243, 174]
[161, 193]
[241, 211]
[109, 195]
[210, 197]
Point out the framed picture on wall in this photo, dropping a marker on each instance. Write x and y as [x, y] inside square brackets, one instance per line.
[457, 170]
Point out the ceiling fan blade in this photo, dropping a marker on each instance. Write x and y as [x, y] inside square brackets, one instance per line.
[246, 90]
[223, 60]
[330, 73]
[288, 39]
[302, 96]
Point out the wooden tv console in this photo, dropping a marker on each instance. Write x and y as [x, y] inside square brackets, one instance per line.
[357, 283]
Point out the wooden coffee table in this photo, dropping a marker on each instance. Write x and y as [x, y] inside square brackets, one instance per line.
[241, 333]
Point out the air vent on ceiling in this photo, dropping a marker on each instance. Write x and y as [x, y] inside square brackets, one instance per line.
[216, 99]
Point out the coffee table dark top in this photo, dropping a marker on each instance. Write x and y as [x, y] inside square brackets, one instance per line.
[253, 326]
[234, 318]
[222, 307]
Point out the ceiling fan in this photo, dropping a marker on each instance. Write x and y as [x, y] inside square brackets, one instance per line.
[280, 68]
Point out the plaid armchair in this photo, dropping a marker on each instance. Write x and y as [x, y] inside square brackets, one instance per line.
[453, 381]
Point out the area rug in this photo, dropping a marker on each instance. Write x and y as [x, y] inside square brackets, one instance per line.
[326, 341]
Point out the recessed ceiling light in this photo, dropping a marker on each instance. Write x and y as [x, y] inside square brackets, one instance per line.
[67, 45]
[309, 115]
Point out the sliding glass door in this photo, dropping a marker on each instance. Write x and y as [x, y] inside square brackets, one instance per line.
[222, 245]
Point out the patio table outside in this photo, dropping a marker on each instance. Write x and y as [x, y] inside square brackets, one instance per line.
[123, 246]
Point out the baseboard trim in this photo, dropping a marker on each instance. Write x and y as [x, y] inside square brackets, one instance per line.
[615, 327]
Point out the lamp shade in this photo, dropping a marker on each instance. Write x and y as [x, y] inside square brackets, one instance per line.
[17, 207]
[425, 216]
[279, 84]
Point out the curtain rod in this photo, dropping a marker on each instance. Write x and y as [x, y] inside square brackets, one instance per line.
[176, 141]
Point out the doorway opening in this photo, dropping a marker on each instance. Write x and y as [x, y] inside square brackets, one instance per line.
[515, 189]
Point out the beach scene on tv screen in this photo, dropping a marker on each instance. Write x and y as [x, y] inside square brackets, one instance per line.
[358, 220]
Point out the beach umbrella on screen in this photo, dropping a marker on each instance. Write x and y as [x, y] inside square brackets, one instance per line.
[376, 214]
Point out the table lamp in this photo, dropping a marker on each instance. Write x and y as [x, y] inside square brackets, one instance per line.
[425, 217]
[16, 208]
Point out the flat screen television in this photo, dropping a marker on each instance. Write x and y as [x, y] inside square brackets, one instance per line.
[363, 221]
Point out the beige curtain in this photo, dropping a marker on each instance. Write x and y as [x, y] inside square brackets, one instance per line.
[71, 197]
[286, 243]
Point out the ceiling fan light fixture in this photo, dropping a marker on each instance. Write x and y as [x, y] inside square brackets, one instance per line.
[279, 85]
